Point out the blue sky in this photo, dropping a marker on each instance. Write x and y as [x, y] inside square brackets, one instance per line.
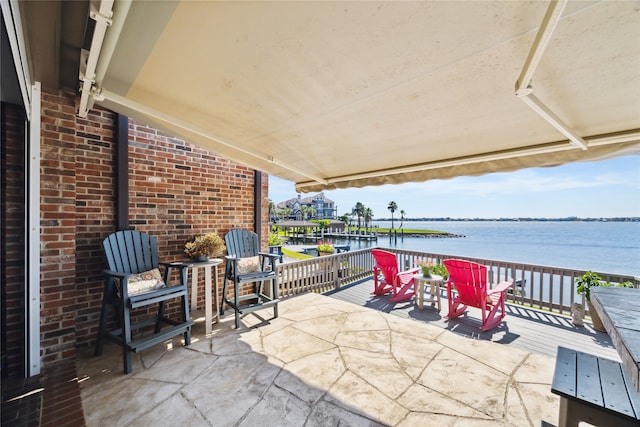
[607, 188]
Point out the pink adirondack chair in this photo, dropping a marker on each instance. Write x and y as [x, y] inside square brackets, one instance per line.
[470, 282]
[401, 283]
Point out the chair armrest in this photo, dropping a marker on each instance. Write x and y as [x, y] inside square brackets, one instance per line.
[269, 255]
[271, 260]
[231, 258]
[409, 271]
[175, 264]
[116, 274]
[502, 286]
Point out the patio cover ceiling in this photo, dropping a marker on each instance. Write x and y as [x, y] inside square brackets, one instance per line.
[349, 94]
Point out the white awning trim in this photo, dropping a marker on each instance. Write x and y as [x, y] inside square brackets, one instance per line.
[32, 236]
[120, 13]
[103, 94]
[632, 136]
[615, 139]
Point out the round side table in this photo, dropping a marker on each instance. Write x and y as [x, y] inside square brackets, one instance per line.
[212, 264]
[434, 290]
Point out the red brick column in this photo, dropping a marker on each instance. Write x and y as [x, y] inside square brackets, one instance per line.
[58, 227]
[94, 214]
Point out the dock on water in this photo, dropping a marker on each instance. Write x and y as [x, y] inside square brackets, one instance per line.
[322, 234]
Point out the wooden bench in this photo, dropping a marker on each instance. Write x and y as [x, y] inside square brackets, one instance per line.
[594, 390]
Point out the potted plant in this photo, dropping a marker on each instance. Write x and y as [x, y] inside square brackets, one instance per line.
[585, 282]
[275, 239]
[325, 248]
[200, 248]
[427, 266]
[440, 270]
[275, 244]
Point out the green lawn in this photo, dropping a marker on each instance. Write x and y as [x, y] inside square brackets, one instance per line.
[296, 255]
[405, 231]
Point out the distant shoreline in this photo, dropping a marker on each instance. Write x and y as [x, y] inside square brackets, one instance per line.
[427, 234]
[567, 219]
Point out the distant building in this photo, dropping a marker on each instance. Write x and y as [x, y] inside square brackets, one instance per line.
[323, 208]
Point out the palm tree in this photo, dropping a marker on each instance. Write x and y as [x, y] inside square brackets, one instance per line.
[284, 213]
[307, 212]
[368, 216]
[402, 214]
[358, 210]
[393, 206]
[272, 211]
[346, 218]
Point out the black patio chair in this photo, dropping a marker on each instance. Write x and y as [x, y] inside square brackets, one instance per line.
[133, 281]
[246, 265]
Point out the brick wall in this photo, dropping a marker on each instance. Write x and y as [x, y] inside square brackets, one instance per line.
[13, 228]
[58, 186]
[175, 190]
[178, 190]
[95, 216]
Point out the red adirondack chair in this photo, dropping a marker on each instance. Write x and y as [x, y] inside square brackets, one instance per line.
[470, 282]
[401, 283]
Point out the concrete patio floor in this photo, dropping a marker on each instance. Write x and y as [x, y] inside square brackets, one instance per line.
[322, 362]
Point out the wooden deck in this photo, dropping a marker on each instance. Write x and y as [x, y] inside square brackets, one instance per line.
[524, 328]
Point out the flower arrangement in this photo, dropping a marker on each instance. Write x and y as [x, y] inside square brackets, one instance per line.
[426, 265]
[204, 246]
[326, 247]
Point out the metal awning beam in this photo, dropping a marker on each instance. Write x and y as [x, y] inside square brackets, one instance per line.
[524, 89]
[543, 111]
[103, 94]
[89, 60]
[543, 37]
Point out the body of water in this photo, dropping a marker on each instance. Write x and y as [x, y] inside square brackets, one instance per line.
[607, 247]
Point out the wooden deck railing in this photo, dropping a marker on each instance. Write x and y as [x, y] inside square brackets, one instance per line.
[542, 287]
[324, 273]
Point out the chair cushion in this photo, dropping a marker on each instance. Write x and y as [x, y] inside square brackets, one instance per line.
[145, 282]
[249, 265]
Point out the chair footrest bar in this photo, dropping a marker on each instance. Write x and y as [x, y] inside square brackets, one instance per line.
[249, 308]
[256, 277]
[177, 328]
[144, 343]
[147, 322]
[254, 296]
